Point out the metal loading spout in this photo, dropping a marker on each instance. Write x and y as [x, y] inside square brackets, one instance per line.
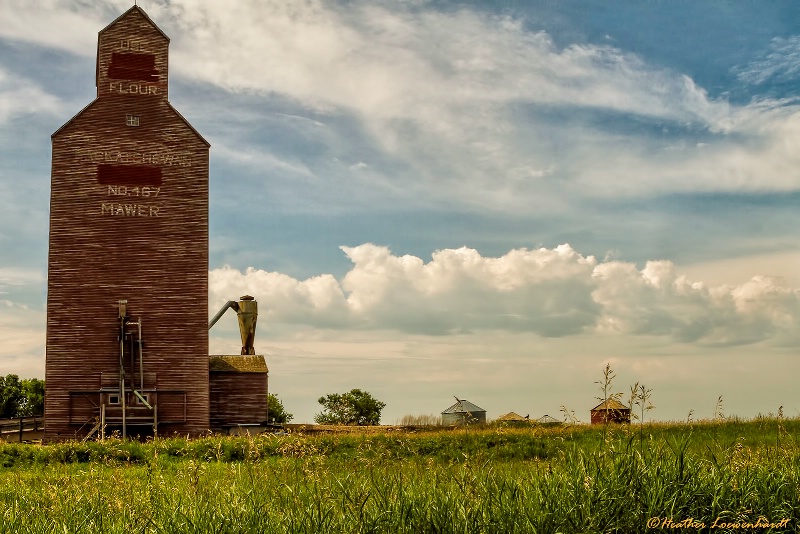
[248, 316]
[247, 313]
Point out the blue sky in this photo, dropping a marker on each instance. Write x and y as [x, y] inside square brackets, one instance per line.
[483, 199]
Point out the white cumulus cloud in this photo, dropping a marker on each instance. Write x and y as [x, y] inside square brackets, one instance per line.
[548, 292]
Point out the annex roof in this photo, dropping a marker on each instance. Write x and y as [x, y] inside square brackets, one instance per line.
[237, 364]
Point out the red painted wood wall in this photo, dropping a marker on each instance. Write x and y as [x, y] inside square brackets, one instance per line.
[237, 398]
[128, 221]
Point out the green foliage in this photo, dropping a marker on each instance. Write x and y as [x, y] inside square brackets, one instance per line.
[21, 398]
[275, 410]
[10, 396]
[355, 407]
[32, 402]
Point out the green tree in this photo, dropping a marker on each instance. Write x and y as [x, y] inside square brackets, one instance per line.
[10, 396]
[32, 402]
[21, 398]
[276, 413]
[355, 408]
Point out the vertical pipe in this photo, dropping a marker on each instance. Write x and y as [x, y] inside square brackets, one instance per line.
[122, 374]
[123, 313]
[133, 361]
[121, 356]
[141, 358]
[103, 422]
[124, 422]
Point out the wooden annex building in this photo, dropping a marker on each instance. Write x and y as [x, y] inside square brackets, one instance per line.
[127, 301]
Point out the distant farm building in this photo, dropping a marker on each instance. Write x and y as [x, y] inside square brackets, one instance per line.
[463, 413]
[610, 411]
[547, 420]
[513, 417]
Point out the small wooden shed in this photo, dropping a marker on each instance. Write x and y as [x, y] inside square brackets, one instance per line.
[463, 413]
[610, 411]
[238, 390]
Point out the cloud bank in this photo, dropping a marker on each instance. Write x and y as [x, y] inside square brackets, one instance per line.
[548, 292]
[466, 105]
[450, 104]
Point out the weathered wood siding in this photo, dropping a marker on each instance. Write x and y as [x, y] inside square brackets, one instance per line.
[237, 398]
[600, 417]
[128, 221]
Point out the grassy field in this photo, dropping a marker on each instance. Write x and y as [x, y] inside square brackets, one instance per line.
[722, 475]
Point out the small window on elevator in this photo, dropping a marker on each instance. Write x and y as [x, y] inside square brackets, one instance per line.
[132, 120]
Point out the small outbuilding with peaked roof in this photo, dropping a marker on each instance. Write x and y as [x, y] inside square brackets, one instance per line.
[462, 413]
[610, 411]
[237, 390]
[512, 417]
[547, 420]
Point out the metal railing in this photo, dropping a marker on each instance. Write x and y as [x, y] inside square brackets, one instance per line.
[19, 428]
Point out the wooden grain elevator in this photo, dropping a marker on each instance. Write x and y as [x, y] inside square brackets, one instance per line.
[127, 301]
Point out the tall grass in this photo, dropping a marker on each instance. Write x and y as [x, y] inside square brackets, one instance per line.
[568, 479]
